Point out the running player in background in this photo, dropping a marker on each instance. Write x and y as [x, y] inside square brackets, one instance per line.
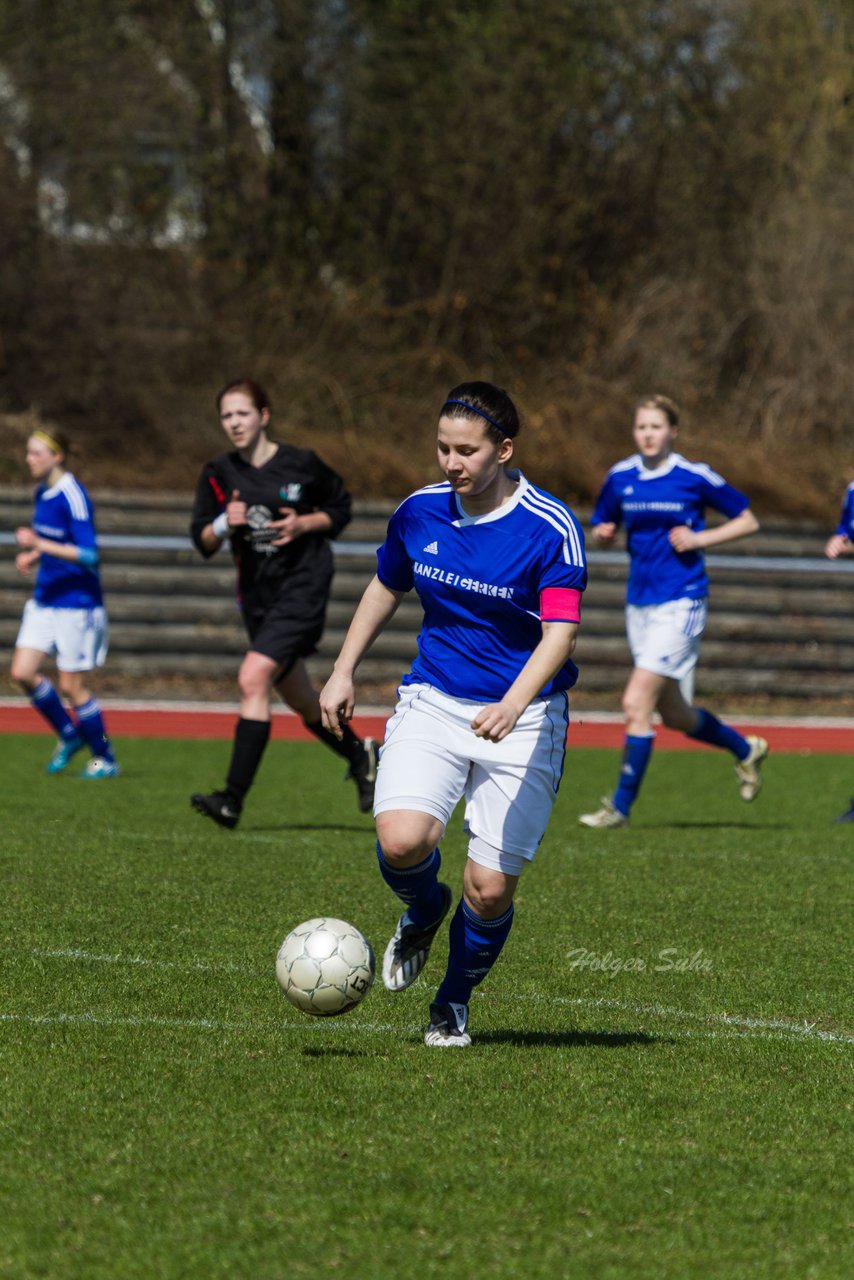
[839, 544]
[278, 506]
[65, 618]
[499, 568]
[661, 500]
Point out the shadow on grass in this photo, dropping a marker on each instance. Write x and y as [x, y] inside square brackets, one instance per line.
[569, 1039]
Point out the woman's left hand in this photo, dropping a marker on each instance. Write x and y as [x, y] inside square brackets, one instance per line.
[288, 527]
[495, 721]
[26, 537]
[684, 539]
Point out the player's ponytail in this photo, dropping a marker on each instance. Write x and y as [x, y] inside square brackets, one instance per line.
[481, 401]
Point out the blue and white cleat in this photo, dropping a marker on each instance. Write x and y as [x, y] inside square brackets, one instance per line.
[65, 749]
[448, 1027]
[407, 952]
[98, 767]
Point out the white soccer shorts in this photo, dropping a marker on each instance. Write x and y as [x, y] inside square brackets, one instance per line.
[665, 638]
[431, 758]
[78, 637]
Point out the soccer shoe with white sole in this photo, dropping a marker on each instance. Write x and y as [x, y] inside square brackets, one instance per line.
[607, 816]
[747, 770]
[220, 806]
[364, 774]
[448, 1027]
[407, 952]
[65, 749]
[99, 767]
[848, 816]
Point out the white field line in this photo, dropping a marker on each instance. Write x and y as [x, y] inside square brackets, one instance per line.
[336, 1025]
[735, 1024]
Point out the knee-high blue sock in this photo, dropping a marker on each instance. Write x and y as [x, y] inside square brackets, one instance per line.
[475, 945]
[92, 727]
[417, 886]
[712, 730]
[636, 753]
[48, 703]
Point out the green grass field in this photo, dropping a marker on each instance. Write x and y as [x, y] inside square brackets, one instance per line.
[660, 1084]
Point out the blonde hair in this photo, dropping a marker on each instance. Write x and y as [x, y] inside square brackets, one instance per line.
[56, 441]
[667, 406]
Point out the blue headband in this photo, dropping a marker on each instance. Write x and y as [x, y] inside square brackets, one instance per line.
[480, 412]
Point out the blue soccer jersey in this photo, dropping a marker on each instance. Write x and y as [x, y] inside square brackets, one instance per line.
[479, 580]
[63, 513]
[651, 503]
[846, 519]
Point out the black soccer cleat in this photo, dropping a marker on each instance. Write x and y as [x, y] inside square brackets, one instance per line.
[364, 774]
[220, 806]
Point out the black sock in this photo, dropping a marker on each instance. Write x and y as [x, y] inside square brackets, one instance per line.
[250, 741]
[350, 747]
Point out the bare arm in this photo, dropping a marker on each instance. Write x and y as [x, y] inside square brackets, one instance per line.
[684, 539]
[33, 542]
[373, 613]
[495, 721]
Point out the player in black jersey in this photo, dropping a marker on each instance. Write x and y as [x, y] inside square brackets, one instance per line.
[279, 506]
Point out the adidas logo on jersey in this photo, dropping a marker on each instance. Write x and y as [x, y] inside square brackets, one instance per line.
[432, 549]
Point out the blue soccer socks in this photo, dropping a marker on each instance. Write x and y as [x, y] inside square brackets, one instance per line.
[418, 887]
[636, 755]
[91, 724]
[717, 734]
[50, 706]
[475, 945]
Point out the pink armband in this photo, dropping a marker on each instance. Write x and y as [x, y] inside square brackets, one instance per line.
[560, 604]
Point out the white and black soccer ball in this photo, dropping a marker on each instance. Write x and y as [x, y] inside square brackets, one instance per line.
[325, 966]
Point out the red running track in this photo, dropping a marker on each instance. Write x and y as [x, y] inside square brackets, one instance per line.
[194, 720]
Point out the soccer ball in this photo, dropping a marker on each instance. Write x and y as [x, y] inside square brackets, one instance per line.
[325, 966]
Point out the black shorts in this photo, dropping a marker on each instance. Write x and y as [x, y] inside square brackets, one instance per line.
[286, 630]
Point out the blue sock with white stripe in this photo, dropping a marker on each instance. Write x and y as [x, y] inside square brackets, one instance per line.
[417, 887]
[712, 730]
[92, 727]
[636, 753]
[48, 703]
[475, 945]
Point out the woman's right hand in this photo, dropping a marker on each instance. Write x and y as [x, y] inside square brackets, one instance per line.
[236, 510]
[837, 546]
[26, 561]
[337, 703]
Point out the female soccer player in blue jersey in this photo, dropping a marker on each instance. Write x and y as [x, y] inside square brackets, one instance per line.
[499, 568]
[66, 616]
[839, 544]
[661, 498]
